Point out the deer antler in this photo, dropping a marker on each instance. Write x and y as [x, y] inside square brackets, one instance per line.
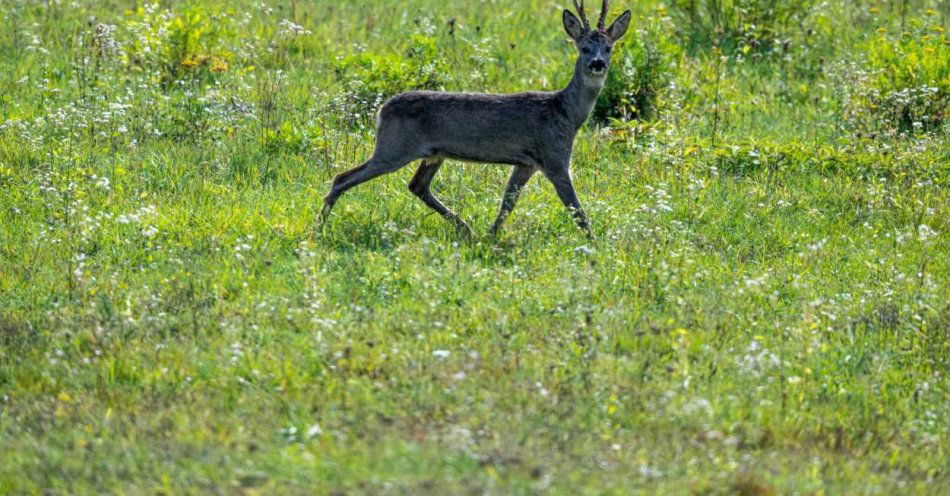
[603, 15]
[580, 11]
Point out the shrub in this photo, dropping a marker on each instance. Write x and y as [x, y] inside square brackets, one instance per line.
[186, 45]
[643, 68]
[904, 87]
[748, 158]
[760, 25]
[910, 80]
[284, 139]
[370, 79]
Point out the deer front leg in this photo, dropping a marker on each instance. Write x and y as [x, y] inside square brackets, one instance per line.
[516, 183]
[420, 186]
[560, 177]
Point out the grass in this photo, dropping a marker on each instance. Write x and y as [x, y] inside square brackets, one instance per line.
[764, 310]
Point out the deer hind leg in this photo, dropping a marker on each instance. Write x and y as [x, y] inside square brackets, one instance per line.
[420, 186]
[373, 168]
[516, 183]
[395, 147]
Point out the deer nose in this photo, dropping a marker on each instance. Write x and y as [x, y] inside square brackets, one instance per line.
[598, 65]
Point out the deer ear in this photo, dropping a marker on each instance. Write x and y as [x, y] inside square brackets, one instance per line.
[619, 27]
[573, 25]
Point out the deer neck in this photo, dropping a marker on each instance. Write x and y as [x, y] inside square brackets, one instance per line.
[580, 95]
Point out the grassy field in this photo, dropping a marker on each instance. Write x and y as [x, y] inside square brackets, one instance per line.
[764, 309]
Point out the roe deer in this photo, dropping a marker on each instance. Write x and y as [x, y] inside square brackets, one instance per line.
[531, 131]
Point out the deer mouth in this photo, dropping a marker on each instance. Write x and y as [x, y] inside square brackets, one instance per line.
[598, 67]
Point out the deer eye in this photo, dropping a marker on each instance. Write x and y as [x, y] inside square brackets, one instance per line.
[608, 49]
[585, 50]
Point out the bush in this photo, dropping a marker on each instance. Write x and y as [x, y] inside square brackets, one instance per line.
[370, 79]
[904, 87]
[284, 139]
[911, 80]
[746, 159]
[760, 25]
[643, 68]
[183, 46]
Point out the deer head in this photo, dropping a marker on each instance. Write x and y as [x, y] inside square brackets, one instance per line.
[594, 45]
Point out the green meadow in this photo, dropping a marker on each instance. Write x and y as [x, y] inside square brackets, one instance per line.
[764, 310]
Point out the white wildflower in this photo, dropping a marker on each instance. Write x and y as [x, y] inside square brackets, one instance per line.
[289, 29]
[584, 250]
[314, 431]
[102, 182]
[925, 232]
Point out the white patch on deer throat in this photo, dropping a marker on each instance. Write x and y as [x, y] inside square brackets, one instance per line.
[596, 80]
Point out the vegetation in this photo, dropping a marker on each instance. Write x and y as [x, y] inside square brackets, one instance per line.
[765, 310]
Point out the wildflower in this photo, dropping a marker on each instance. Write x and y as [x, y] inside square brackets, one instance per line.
[817, 246]
[289, 434]
[585, 250]
[102, 182]
[190, 63]
[925, 232]
[314, 431]
[758, 360]
[699, 405]
[103, 39]
[755, 282]
[291, 30]
[648, 472]
[218, 65]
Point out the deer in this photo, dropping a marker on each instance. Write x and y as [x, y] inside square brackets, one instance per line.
[532, 131]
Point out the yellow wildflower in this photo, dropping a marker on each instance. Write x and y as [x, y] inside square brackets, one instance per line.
[218, 65]
[190, 63]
